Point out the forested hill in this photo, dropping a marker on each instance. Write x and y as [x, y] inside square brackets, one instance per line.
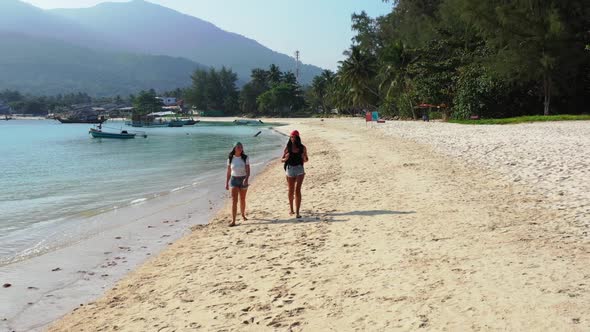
[44, 66]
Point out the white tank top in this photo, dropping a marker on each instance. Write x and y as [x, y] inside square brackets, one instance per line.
[238, 166]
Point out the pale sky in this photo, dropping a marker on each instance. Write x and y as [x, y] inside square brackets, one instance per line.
[319, 29]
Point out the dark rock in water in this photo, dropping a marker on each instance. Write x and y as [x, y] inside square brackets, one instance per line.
[6, 285]
[56, 269]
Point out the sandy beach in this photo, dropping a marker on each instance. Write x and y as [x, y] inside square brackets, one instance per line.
[399, 233]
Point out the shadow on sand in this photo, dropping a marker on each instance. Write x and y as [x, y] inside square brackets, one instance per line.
[324, 217]
[368, 213]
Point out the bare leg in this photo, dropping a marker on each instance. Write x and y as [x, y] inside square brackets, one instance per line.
[291, 184]
[243, 193]
[234, 205]
[299, 182]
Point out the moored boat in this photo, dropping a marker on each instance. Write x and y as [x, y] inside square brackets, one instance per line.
[190, 122]
[82, 120]
[176, 123]
[151, 122]
[124, 134]
[98, 133]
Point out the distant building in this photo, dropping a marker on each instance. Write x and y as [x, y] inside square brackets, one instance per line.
[168, 101]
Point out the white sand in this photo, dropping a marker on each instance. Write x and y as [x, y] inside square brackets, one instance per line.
[394, 238]
[553, 158]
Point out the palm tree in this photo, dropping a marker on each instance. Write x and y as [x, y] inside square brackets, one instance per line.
[395, 82]
[338, 94]
[259, 78]
[274, 74]
[358, 72]
[320, 86]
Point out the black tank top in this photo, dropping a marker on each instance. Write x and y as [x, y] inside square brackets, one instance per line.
[296, 159]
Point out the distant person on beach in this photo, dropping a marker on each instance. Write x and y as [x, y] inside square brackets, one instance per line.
[238, 173]
[294, 156]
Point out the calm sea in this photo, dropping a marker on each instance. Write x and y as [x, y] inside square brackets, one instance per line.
[52, 172]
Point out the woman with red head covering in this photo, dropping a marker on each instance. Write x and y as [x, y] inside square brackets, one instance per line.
[294, 156]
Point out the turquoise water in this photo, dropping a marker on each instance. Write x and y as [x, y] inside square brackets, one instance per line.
[51, 171]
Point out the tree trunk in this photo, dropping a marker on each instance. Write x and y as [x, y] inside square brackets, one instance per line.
[446, 115]
[547, 93]
[412, 108]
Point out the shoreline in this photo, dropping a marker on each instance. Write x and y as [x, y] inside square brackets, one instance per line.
[394, 237]
[47, 286]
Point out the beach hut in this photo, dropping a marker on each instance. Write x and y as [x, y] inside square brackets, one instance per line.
[426, 108]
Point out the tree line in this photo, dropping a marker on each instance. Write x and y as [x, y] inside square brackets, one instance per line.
[269, 92]
[41, 105]
[491, 58]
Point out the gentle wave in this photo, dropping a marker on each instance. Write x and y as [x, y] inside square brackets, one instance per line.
[139, 200]
[179, 188]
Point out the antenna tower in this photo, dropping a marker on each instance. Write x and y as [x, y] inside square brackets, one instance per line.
[297, 62]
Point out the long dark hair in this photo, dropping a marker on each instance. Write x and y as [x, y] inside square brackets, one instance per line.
[233, 152]
[297, 144]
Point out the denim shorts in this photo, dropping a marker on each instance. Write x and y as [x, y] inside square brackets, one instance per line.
[237, 182]
[294, 171]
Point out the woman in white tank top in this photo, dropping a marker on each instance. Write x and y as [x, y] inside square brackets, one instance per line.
[238, 173]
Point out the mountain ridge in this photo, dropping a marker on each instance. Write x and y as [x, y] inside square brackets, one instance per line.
[130, 22]
[146, 28]
[45, 66]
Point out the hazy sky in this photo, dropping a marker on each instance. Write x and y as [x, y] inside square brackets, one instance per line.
[319, 29]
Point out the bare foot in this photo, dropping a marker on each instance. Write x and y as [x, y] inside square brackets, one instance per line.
[244, 217]
[292, 212]
[232, 224]
[298, 216]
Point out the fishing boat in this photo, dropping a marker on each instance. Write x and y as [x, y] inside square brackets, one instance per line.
[175, 123]
[96, 120]
[150, 121]
[190, 122]
[142, 124]
[123, 134]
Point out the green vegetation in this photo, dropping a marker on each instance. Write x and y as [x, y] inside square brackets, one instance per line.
[42, 105]
[213, 91]
[523, 119]
[318, 95]
[491, 58]
[146, 103]
[272, 93]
